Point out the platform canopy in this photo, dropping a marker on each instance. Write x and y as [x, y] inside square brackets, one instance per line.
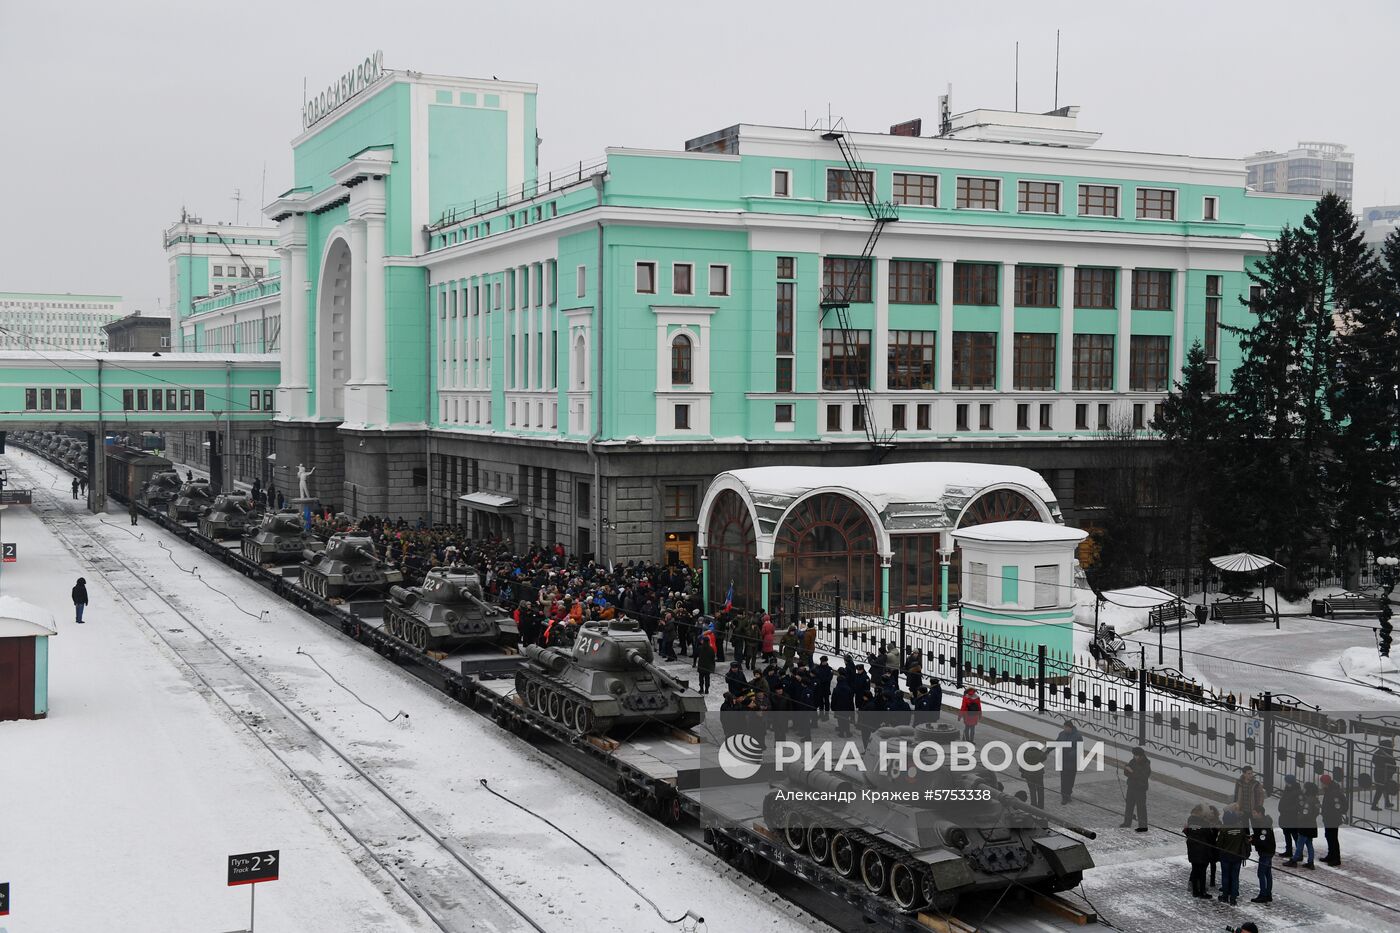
[491, 502]
[19, 618]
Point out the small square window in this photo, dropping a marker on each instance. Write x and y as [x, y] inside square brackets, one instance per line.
[581, 281]
[787, 267]
[984, 417]
[719, 280]
[857, 417]
[1081, 417]
[646, 278]
[962, 424]
[1046, 422]
[682, 417]
[1103, 416]
[1210, 208]
[1023, 417]
[782, 414]
[923, 418]
[218, 270]
[782, 183]
[682, 279]
[897, 418]
[1139, 415]
[833, 417]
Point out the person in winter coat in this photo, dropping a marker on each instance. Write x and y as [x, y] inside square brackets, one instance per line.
[843, 703]
[765, 634]
[1200, 844]
[1069, 759]
[735, 681]
[1213, 827]
[1334, 811]
[1383, 773]
[131, 510]
[704, 660]
[1290, 808]
[1264, 843]
[1033, 773]
[75, 487]
[1306, 829]
[1233, 844]
[1138, 772]
[970, 713]
[809, 643]
[789, 646]
[80, 599]
[1249, 792]
[821, 685]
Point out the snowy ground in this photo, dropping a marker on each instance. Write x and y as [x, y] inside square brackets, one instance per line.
[134, 761]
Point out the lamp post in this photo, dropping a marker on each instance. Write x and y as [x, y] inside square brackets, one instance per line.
[1385, 570]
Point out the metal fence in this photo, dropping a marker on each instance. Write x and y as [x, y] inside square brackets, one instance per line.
[1161, 709]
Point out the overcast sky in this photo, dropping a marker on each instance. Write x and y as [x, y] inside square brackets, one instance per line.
[115, 114]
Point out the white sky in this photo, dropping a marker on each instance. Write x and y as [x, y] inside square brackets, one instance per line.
[115, 114]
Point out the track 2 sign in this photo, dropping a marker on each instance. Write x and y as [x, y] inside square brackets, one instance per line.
[253, 867]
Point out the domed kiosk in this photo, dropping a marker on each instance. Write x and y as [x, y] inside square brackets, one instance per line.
[881, 536]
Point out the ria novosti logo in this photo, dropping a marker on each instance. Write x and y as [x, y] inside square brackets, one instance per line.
[741, 756]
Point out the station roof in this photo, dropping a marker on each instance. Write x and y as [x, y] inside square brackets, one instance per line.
[19, 618]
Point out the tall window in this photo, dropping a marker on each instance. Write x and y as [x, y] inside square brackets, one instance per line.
[785, 322]
[1093, 362]
[913, 282]
[1156, 204]
[680, 360]
[846, 279]
[678, 502]
[979, 194]
[782, 183]
[918, 190]
[1213, 290]
[1095, 288]
[842, 184]
[1098, 201]
[975, 283]
[785, 316]
[845, 359]
[719, 280]
[1152, 290]
[682, 279]
[783, 380]
[1147, 369]
[1034, 362]
[1037, 286]
[1038, 197]
[911, 356]
[974, 359]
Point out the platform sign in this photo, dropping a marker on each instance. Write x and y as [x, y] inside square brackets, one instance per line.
[253, 867]
[4, 899]
[9, 552]
[16, 497]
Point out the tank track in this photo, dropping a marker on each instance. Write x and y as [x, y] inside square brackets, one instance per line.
[555, 699]
[408, 627]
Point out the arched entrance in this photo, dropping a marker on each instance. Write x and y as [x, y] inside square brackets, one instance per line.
[827, 543]
[996, 505]
[333, 332]
[731, 546]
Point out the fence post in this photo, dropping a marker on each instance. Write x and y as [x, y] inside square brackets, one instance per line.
[1268, 769]
[1351, 778]
[1142, 695]
[1040, 678]
[902, 616]
[958, 652]
[796, 605]
[837, 636]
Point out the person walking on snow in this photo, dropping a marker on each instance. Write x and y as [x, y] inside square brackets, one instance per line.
[971, 714]
[1138, 772]
[80, 598]
[75, 487]
[131, 509]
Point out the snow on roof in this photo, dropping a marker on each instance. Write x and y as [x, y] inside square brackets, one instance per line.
[891, 483]
[19, 618]
[1021, 531]
[1140, 597]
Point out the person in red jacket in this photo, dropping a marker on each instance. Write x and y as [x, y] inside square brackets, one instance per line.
[766, 634]
[970, 713]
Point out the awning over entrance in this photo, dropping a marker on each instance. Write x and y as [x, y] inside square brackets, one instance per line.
[492, 502]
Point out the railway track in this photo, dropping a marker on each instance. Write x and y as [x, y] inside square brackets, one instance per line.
[428, 867]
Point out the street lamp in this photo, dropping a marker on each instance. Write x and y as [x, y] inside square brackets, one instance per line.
[1385, 569]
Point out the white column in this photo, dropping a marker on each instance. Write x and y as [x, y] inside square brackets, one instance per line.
[1122, 344]
[880, 339]
[1006, 338]
[355, 327]
[296, 340]
[1064, 342]
[548, 327]
[1178, 356]
[945, 327]
[376, 370]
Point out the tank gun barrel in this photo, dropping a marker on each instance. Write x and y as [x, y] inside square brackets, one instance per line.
[635, 658]
[1016, 803]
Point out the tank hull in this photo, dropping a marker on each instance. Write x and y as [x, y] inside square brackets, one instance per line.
[587, 713]
[271, 548]
[352, 582]
[426, 635]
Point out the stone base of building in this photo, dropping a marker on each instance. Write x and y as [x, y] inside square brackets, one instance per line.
[312, 444]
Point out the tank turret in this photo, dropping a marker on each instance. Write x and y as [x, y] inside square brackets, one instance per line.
[446, 612]
[606, 679]
[228, 516]
[194, 496]
[280, 538]
[161, 489]
[968, 837]
[348, 565]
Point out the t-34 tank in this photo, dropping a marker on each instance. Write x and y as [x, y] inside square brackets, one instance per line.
[228, 517]
[280, 538]
[606, 679]
[194, 496]
[161, 489]
[347, 566]
[930, 853]
[446, 612]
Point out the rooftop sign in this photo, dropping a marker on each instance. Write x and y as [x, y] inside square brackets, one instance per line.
[348, 86]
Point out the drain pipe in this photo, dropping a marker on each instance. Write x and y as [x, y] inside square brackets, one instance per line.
[431, 400]
[597, 504]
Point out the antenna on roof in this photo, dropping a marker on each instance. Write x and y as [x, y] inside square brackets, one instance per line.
[237, 200]
[945, 112]
[1057, 69]
[1016, 94]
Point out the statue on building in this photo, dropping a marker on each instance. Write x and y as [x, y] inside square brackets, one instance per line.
[302, 474]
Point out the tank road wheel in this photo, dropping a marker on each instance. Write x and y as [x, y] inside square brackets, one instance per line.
[584, 720]
[819, 843]
[844, 855]
[795, 830]
[566, 713]
[556, 703]
[420, 636]
[907, 886]
[874, 871]
[531, 693]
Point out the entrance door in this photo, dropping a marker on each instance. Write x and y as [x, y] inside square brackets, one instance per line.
[680, 548]
[16, 678]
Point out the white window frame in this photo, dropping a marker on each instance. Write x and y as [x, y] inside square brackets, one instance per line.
[675, 416]
[709, 279]
[1059, 196]
[991, 210]
[787, 178]
[581, 281]
[1210, 208]
[637, 275]
[1046, 592]
[691, 267]
[1176, 203]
